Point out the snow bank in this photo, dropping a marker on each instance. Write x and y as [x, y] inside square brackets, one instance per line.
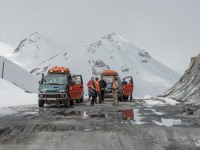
[152, 100]
[12, 95]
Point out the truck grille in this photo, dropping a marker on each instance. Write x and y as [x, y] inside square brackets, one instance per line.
[53, 96]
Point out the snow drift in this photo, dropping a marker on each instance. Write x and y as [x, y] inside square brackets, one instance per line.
[12, 95]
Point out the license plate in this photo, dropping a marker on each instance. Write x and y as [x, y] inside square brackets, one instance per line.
[51, 99]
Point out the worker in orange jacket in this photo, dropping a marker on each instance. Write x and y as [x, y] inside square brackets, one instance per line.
[88, 85]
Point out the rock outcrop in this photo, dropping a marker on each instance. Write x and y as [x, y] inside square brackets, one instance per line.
[187, 89]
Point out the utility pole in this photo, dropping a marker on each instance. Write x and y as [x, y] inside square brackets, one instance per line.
[3, 70]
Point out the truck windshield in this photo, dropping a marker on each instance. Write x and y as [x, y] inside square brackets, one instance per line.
[108, 79]
[55, 79]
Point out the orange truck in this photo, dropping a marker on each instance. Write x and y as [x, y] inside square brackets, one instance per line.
[60, 87]
[125, 89]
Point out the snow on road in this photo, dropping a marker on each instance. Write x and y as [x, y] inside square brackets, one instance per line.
[152, 100]
[168, 122]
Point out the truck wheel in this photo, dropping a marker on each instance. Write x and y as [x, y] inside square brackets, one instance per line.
[66, 102]
[71, 102]
[41, 103]
[81, 100]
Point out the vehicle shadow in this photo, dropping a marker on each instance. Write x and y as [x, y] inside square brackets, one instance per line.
[70, 107]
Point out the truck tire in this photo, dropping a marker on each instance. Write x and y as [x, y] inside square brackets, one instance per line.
[81, 100]
[66, 102]
[41, 103]
[71, 102]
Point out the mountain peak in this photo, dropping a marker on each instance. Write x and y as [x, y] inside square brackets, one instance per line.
[111, 36]
[33, 38]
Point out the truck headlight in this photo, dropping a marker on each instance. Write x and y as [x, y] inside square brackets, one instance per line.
[62, 91]
[63, 95]
[40, 95]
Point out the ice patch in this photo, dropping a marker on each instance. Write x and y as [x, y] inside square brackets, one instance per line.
[158, 113]
[153, 102]
[168, 122]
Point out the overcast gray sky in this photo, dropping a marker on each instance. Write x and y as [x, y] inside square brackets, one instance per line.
[168, 29]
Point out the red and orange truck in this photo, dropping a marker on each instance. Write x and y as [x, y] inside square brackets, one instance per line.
[60, 87]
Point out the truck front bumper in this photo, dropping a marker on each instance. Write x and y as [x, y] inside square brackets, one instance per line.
[52, 96]
[109, 94]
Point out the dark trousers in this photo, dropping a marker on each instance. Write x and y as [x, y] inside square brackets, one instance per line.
[101, 96]
[93, 99]
[97, 96]
[131, 98]
[126, 97]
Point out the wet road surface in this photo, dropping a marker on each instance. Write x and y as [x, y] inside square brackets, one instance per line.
[132, 125]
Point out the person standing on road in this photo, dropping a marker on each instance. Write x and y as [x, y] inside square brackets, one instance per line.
[124, 82]
[93, 92]
[88, 85]
[103, 85]
[97, 88]
[115, 87]
[131, 97]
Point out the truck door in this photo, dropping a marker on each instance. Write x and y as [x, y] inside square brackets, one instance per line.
[128, 86]
[76, 89]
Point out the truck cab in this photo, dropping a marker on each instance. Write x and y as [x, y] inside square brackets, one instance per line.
[60, 87]
[107, 76]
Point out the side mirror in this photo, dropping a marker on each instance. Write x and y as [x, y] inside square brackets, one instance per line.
[39, 82]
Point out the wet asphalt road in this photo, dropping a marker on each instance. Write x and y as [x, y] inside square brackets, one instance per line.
[103, 126]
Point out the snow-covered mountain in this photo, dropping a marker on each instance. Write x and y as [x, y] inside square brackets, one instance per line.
[35, 50]
[187, 89]
[18, 76]
[110, 52]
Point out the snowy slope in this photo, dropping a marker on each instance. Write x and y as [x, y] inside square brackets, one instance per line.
[12, 95]
[187, 89]
[110, 52]
[18, 76]
[114, 52]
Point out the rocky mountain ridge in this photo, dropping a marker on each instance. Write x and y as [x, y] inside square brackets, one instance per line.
[187, 89]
